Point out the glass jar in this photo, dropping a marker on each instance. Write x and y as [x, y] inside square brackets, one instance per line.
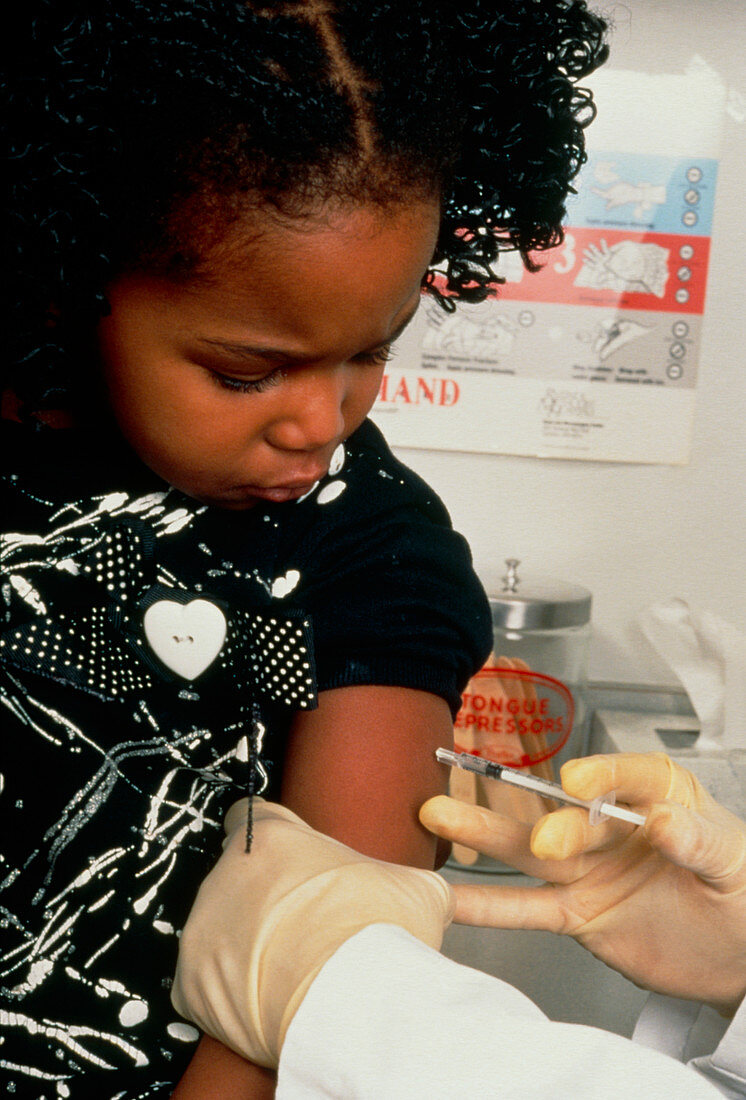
[526, 707]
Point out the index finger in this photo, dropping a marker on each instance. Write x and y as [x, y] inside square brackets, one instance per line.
[502, 838]
[476, 827]
[635, 777]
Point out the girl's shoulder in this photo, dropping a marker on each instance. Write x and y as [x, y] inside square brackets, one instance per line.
[367, 483]
[372, 524]
[390, 587]
[373, 449]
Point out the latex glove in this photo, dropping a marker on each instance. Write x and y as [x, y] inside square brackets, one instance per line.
[265, 922]
[663, 903]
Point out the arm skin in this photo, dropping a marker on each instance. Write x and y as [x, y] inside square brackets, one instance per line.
[359, 766]
[358, 769]
[216, 1073]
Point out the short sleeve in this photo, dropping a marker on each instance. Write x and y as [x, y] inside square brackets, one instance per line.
[389, 584]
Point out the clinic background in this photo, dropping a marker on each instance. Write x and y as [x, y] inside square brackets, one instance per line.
[636, 534]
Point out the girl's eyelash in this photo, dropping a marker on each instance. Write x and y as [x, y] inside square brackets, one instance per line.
[246, 385]
[258, 385]
[380, 356]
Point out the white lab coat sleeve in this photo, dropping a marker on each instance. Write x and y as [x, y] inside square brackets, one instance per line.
[685, 1030]
[726, 1066]
[389, 1016]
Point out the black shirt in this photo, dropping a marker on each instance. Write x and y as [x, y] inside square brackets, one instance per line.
[140, 635]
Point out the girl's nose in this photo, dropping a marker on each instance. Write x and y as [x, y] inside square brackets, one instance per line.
[311, 415]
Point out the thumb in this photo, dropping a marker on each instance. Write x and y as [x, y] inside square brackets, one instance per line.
[713, 850]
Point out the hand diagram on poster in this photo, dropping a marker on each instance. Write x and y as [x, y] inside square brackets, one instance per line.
[471, 331]
[617, 192]
[646, 196]
[613, 334]
[624, 267]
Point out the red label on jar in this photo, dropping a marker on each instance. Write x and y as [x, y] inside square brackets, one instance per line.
[514, 716]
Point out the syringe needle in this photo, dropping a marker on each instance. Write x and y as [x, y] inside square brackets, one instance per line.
[598, 807]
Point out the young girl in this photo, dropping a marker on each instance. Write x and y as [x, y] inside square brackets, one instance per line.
[214, 573]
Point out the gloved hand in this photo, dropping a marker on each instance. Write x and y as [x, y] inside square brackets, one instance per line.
[663, 903]
[265, 922]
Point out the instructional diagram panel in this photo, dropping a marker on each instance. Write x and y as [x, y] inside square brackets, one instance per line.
[595, 356]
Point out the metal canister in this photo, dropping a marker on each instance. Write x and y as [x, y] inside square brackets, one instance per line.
[526, 707]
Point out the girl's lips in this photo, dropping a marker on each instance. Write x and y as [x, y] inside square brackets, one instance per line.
[298, 484]
[282, 493]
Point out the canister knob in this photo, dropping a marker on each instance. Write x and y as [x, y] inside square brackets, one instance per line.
[510, 580]
[538, 603]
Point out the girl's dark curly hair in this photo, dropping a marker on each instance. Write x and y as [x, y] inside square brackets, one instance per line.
[136, 130]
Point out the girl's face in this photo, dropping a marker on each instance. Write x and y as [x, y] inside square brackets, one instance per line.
[238, 387]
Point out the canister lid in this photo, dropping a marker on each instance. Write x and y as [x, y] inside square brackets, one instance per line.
[538, 603]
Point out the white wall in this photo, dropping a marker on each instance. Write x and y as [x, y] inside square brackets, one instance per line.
[636, 534]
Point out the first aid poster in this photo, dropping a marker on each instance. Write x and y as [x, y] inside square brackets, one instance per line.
[596, 355]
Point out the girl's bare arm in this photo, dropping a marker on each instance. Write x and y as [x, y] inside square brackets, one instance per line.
[360, 766]
[216, 1073]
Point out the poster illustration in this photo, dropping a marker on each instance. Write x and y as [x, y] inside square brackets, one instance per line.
[596, 355]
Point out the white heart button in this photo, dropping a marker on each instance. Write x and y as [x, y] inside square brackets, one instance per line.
[185, 637]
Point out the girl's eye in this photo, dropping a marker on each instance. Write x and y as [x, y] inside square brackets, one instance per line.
[258, 385]
[246, 385]
[377, 357]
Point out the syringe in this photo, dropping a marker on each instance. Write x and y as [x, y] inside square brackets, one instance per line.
[598, 807]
